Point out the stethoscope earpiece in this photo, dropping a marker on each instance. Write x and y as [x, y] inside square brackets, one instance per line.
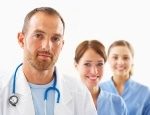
[13, 100]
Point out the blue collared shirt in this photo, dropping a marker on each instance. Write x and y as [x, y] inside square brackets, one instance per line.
[135, 95]
[110, 104]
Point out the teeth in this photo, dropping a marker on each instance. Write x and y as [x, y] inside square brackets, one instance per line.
[93, 78]
[120, 69]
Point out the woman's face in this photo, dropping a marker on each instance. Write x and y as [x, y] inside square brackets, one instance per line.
[120, 60]
[90, 68]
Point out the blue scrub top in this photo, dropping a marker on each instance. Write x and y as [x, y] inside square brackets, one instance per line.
[110, 104]
[135, 95]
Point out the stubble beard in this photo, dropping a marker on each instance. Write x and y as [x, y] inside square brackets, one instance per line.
[40, 65]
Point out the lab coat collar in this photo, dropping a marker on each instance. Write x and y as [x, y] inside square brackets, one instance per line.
[25, 96]
[126, 86]
[25, 104]
[65, 96]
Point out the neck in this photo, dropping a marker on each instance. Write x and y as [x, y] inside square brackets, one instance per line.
[120, 80]
[119, 83]
[38, 77]
[95, 92]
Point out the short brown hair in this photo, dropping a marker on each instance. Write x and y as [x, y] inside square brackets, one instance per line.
[47, 10]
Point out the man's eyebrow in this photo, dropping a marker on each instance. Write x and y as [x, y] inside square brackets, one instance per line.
[38, 31]
[59, 35]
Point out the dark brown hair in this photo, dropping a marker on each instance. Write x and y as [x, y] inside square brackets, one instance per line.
[96, 45]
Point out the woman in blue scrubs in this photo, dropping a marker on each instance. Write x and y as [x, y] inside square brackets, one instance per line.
[90, 58]
[135, 95]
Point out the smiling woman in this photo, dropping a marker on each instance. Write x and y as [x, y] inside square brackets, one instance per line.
[120, 59]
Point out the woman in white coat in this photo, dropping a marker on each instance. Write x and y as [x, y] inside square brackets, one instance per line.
[90, 57]
[36, 87]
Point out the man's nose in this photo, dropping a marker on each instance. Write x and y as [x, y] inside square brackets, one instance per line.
[47, 44]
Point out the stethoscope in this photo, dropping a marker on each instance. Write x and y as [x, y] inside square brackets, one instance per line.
[14, 99]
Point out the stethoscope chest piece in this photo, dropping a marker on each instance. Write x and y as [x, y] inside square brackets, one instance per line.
[13, 100]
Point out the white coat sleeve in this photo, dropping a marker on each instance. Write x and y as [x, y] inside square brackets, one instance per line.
[85, 103]
[89, 105]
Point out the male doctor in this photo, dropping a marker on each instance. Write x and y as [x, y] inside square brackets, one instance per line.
[36, 87]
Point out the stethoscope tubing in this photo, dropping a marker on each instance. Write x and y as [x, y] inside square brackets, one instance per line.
[14, 80]
[53, 88]
[45, 94]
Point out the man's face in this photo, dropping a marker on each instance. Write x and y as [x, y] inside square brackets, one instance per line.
[43, 40]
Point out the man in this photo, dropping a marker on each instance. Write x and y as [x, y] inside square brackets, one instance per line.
[37, 87]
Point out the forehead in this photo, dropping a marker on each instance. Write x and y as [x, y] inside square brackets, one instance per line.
[120, 50]
[90, 54]
[47, 22]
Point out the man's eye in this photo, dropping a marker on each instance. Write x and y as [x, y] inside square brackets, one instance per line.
[38, 35]
[55, 39]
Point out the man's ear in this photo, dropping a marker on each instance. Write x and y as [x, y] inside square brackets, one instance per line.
[21, 39]
[62, 44]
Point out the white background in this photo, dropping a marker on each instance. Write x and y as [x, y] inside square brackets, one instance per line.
[105, 20]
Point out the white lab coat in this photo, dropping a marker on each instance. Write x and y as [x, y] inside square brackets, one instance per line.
[74, 100]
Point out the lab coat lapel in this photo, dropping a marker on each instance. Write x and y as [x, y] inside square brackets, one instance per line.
[62, 108]
[25, 104]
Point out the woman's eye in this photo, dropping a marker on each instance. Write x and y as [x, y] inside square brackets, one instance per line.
[126, 58]
[115, 57]
[87, 64]
[100, 64]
